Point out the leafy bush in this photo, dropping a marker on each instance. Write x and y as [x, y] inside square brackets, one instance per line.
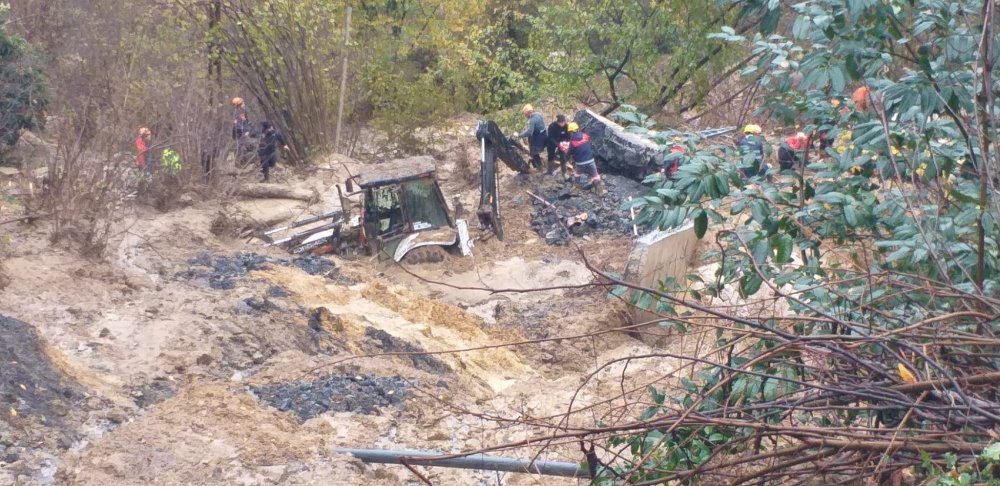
[882, 248]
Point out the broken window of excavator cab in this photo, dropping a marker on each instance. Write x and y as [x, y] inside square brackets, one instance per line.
[424, 207]
[384, 203]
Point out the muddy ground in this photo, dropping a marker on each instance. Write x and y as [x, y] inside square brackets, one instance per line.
[189, 355]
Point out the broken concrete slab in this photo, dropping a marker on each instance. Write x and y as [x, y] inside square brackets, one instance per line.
[618, 151]
[655, 258]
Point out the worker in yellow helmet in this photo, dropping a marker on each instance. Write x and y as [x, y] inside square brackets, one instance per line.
[751, 146]
[584, 166]
[534, 134]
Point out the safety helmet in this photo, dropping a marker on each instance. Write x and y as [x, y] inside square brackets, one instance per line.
[801, 136]
[860, 98]
[527, 109]
[572, 127]
[144, 132]
[237, 101]
[751, 128]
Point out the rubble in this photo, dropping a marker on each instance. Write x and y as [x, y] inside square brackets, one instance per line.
[40, 405]
[590, 212]
[358, 394]
[31, 386]
[391, 344]
[225, 270]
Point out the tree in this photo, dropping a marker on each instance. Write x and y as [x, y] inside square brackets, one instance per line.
[882, 249]
[23, 95]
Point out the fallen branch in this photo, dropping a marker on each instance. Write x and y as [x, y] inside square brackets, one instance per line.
[25, 219]
[277, 191]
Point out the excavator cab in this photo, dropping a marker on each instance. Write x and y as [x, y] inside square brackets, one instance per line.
[404, 212]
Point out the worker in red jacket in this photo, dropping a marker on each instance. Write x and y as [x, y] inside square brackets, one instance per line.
[142, 145]
[790, 151]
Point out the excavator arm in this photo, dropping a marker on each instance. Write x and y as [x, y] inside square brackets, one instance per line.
[494, 145]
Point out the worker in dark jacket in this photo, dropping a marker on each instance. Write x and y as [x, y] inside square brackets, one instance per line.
[534, 134]
[557, 133]
[584, 166]
[751, 146]
[267, 151]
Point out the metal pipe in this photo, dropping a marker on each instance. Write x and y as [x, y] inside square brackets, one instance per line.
[472, 461]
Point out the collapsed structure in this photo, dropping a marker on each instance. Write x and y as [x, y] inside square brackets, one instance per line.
[617, 150]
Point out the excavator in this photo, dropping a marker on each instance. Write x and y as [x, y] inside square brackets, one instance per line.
[396, 210]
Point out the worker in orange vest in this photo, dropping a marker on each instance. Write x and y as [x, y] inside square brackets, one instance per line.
[143, 143]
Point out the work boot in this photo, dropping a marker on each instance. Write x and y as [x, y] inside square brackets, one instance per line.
[599, 187]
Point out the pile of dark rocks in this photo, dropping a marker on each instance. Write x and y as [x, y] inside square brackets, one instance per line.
[335, 393]
[225, 270]
[380, 341]
[593, 213]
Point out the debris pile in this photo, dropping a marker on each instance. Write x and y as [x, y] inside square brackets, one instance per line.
[387, 343]
[334, 393]
[226, 270]
[583, 211]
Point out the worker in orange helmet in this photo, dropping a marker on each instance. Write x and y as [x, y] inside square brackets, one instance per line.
[143, 142]
[860, 98]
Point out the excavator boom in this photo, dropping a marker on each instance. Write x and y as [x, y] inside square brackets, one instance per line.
[494, 145]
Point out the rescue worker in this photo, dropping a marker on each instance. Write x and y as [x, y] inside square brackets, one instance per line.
[143, 143]
[789, 152]
[242, 132]
[557, 134]
[676, 148]
[241, 125]
[584, 166]
[534, 134]
[267, 150]
[751, 147]
[860, 98]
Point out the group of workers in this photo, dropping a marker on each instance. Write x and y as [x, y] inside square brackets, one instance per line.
[263, 142]
[753, 148]
[564, 140]
[268, 140]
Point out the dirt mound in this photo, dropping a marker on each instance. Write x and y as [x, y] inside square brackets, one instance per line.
[357, 394]
[603, 214]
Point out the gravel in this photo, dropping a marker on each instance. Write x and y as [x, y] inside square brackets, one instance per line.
[225, 270]
[358, 394]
